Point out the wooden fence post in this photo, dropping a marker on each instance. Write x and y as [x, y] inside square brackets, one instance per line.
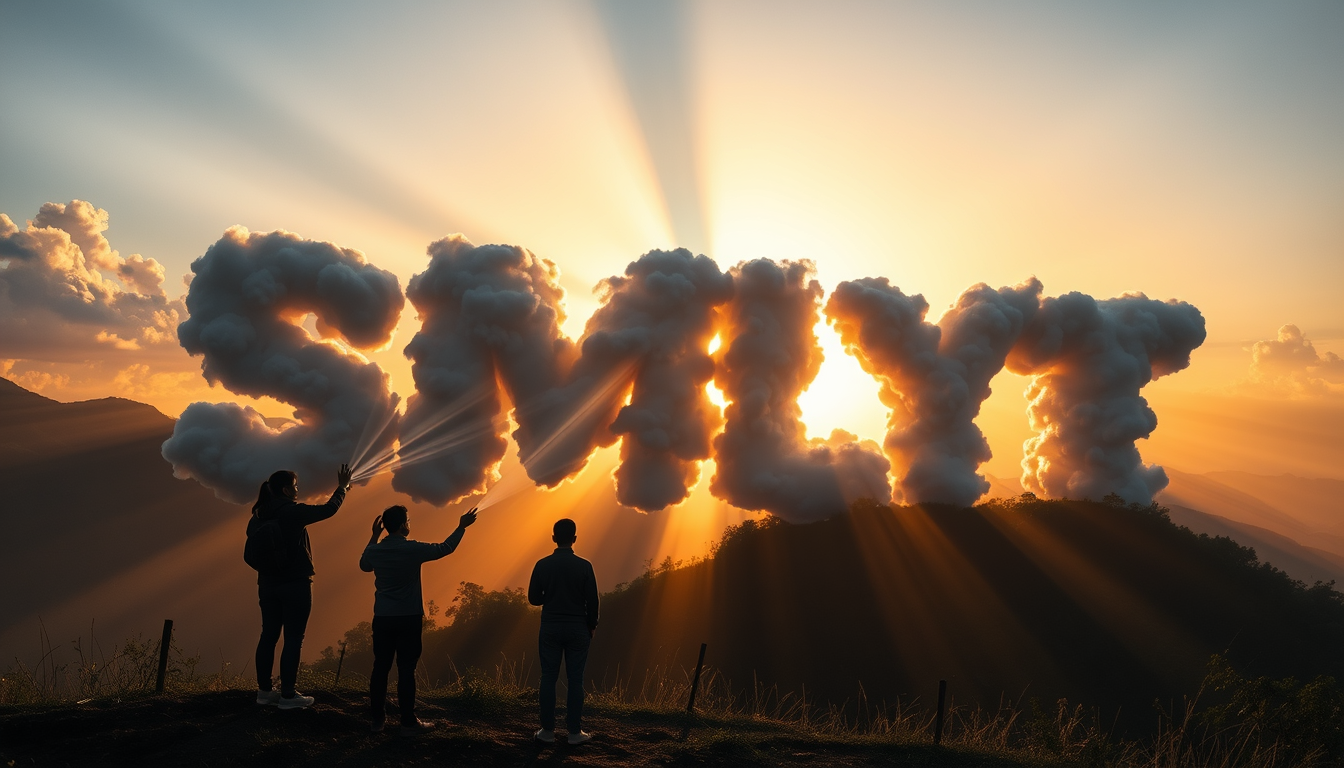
[695, 681]
[938, 719]
[163, 654]
[339, 662]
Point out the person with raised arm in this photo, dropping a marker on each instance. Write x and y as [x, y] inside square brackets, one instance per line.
[565, 587]
[398, 608]
[279, 548]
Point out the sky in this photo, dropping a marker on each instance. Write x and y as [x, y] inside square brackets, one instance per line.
[1186, 151]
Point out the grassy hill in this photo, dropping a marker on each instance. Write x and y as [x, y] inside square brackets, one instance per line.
[478, 727]
[1107, 606]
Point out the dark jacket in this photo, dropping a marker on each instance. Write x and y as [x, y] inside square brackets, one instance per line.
[395, 562]
[564, 586]
[294, 521]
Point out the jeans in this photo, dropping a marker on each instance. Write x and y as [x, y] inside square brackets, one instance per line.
[397, 636]
[283, 606]
[570, 640]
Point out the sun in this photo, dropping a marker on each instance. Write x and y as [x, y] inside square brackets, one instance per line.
[842, 396]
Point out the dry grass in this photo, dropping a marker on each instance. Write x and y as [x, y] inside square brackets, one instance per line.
[80, 672]
[724, 715]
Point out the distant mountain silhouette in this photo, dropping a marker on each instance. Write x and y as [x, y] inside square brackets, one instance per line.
[1304, 563]
[1310, 512]
[1287, 520]
[1317, 502]
[86, 493]
[87, 499]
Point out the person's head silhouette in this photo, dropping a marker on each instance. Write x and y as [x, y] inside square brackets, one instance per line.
[397, 520]
[281, 484]
[564, 533]
[284, 483]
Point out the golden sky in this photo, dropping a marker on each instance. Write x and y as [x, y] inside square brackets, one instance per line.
[1186, 152]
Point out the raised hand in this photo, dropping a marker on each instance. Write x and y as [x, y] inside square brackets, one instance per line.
[377, 525]
[467, 519]
[343, 475]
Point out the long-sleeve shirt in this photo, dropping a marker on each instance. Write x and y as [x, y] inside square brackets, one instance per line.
[395, 562]
[564, 585]
[294, 521]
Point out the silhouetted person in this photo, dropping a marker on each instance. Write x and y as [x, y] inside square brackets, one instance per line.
[398, 607]
[564, 585]
[286, 590]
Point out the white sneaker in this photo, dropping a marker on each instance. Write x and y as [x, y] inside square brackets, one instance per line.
[270, 698]
[544, 736]
[580, 737]
[297, 701]
[419, 726]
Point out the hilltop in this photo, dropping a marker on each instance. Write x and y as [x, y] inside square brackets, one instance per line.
[491, 728]
[1102, 604]
[1109, 606]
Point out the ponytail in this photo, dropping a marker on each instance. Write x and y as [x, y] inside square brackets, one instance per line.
[271, 488]
[263, 496]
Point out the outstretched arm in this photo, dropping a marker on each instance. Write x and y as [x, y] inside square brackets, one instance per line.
[449, 545]
[312, 513]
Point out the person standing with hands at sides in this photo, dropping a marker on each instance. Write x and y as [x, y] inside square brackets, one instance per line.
[285, 586]
[564, 585]
[398, 608]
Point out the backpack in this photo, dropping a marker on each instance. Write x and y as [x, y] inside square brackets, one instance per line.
[265, 547]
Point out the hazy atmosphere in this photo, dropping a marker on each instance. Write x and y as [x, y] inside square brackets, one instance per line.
[661, 268]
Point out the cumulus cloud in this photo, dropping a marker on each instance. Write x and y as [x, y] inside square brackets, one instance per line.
[141, 275]
[33, 380]
[660, 317]
[85, 224]
[249, 289]
[933, 377]
[56, 303]
[493, 312]
[476, 304]
[1090, 358]
[1290, 365]
[141, 382]
[770, 354]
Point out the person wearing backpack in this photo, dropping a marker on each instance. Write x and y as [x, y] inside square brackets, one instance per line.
[278, 547]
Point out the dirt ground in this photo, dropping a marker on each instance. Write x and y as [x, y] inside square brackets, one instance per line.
[228, 728]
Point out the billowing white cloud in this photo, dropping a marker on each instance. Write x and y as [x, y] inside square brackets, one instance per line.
[769, 355]
[1289, 365]
[660, 316]
[1090, 358]
[493, 312]
[476, 304]
[248, 291]
[58, 305]
[933, 377]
